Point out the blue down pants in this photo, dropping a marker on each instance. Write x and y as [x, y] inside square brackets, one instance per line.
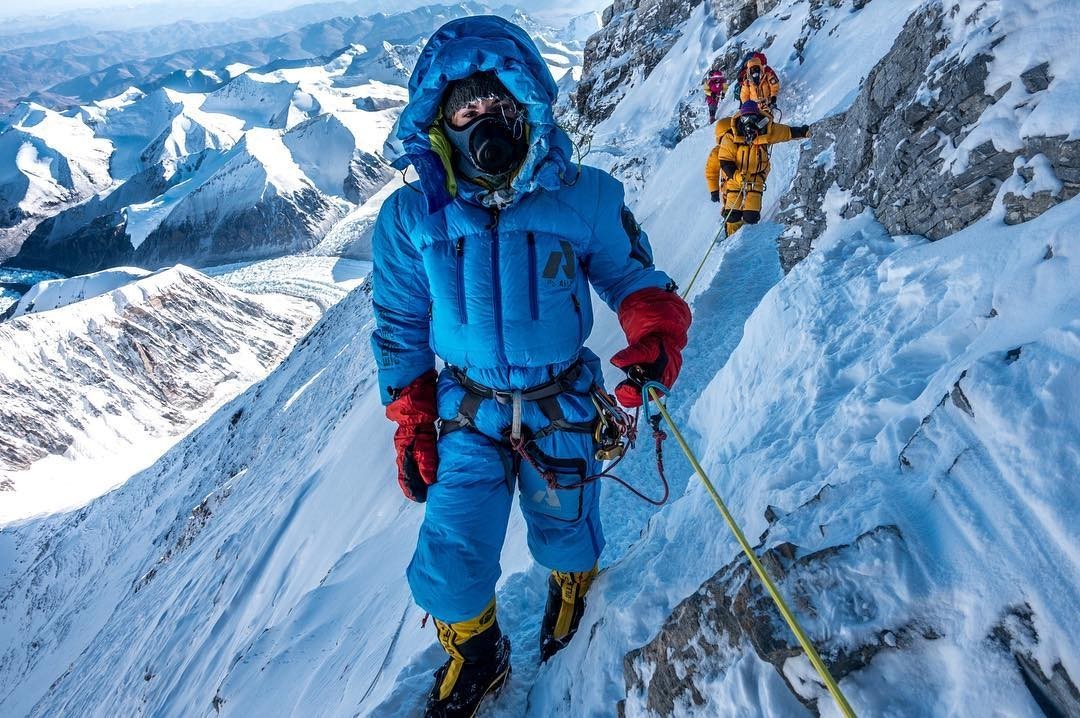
[455, 566]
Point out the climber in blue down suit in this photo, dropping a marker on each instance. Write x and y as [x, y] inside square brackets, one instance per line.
[487, 264]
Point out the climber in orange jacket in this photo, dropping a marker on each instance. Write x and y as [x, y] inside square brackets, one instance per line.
[739, 163]
[758, 83]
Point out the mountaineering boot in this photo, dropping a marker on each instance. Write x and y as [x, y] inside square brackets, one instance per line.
[565, 605]
[732, 227]
[479, 664]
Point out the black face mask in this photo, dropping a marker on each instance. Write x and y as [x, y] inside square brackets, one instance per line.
[490, 144]
[755, 75]
[751, 126]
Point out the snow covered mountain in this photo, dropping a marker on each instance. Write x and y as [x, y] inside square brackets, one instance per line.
[35, 61]
[229, 162]
[105, 371]
[47, 162]
[893, 418]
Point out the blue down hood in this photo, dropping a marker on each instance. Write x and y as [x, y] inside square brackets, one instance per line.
[478, 44]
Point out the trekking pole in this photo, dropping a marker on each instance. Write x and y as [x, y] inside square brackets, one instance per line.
[723, 227]
[652, 391]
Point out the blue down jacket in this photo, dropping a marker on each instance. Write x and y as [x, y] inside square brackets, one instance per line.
[502, 293]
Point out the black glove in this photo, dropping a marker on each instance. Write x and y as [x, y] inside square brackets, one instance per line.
[800, 131]
[715, 195]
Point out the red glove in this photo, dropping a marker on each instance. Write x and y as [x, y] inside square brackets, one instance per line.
[655, 322]
[414, 409]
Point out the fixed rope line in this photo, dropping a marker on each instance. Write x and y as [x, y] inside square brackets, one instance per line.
[653, 391]
[723, 226]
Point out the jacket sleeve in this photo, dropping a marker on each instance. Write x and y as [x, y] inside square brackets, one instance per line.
[401, 304]
[619, 260]
[773, 83]
[778, 133]
[712, 170]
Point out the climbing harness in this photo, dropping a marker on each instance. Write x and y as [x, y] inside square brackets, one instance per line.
[652, 391]
[715, 239]
[614, 431]
[544, 395]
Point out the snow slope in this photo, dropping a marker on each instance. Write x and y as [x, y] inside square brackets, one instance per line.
[314, 420]
[977, 483]
[163, 126]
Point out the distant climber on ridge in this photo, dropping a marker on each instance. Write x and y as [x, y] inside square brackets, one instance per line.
[488, 265]
[715, 86]
[758, 83]
[738, 165]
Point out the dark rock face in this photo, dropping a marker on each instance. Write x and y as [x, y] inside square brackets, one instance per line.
[1056, 694]
[636, 36]
[367, 175]
[1059, 158]
[885, 150]
[737, 15]
[277, 225]
[92, 235]
[100, 243]
[375, 104]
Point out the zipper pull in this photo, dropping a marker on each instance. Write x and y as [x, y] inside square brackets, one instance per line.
[459, 246]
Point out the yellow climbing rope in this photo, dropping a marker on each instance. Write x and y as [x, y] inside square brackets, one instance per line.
[723, 226]
[789, 617]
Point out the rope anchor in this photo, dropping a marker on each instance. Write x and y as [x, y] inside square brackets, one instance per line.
[652, 391]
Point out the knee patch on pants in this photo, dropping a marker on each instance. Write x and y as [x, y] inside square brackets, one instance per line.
[736, 215]
[750, 216]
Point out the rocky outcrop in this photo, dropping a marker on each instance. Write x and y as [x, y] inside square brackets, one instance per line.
[897, 150]
[737, 15]
[731, 614]
[636, 36]
[1056, 694]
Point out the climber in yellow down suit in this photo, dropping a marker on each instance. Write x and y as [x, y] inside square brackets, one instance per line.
[739, 162]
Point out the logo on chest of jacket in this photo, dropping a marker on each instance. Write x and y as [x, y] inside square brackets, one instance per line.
[561, 267]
